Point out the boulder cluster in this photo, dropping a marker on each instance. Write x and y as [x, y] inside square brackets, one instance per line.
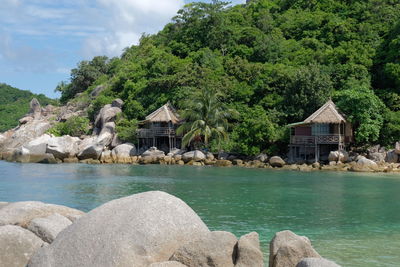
[146, 229]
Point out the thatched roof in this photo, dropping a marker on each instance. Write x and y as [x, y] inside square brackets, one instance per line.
[165, 113]
[328, 113]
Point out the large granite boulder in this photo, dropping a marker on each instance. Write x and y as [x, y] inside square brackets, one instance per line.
[338, 156]
[286, 249]
[392, 157]
[117, 103]
[92, 151]
[212, 249]
[3, 204]
[63, 147]
[22, 213]
[23, 155]
[316, 262]
[364, 165]
[107, 114]
[132, 231]
[17, 245]
[49, 227]
[195, 155]
[276, 162]
[38, 145]
[123, 153]
[249, 252]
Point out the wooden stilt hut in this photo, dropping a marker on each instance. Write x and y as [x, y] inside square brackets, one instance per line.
[324, 131]
[159, 129]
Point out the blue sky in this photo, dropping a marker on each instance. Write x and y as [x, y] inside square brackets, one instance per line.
[41, 40]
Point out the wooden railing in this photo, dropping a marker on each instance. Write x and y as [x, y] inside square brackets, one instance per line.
[156, 131]
[319, 139]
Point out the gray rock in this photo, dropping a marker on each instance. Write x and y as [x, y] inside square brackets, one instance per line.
[276, 161]
[364, 162]
[35, 107]
[338, 156]
[63, 147]
[210, 156]
[153, 153]
[133, 231]
[195, 155]
[223, 155]
[167, 264]
[22, 213]
[17, 245]
[49, 227]
[392, 157]
[212, 249]
[38, 145]
[122, 152]
[22, 155]
[92, 151]
[117, 103]
[316, 262]
[377, 156]
[177, 151]
[397, 148]
[262, 157]
[106, 114]
[287, 249]
[249, 252]
[116, 141]
[25, 120]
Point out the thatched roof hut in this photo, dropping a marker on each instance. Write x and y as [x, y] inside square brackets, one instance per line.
[166, 113]
[328, 113]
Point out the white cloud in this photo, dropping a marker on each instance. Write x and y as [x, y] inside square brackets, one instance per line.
[125, 21]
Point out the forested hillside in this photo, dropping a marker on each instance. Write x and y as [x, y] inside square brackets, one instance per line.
[271, 62]
[14, 103]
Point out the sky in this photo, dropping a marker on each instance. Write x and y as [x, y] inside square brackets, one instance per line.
[42, 40]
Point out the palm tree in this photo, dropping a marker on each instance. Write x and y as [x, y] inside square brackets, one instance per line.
[206, 118]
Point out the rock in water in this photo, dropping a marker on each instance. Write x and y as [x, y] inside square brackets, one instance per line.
[249, 252]
[133, 231]
[286, 249]
[214, 249]
[276, 162]
[17, 245]
[392, 157]
[63, 147]
[49, 227]
[21, 213]
[195, 155]
[123, 153]
[316, 262]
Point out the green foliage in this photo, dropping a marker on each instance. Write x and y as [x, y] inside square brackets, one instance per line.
[276, 60]
[365, 110]
[82, 77]
[126, 129]
[206, 119]
[14, 104]
[74, 126]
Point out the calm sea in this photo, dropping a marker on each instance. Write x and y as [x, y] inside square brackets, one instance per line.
[353, 219]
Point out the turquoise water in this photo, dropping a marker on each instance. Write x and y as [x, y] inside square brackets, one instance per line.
[353, 219]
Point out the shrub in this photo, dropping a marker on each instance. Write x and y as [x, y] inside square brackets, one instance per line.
[126, 129]
[74, 126]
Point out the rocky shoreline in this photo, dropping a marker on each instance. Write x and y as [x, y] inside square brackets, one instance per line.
[146, 229]
[30, 143]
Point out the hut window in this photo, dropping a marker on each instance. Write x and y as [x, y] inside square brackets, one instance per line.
[320, 129]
